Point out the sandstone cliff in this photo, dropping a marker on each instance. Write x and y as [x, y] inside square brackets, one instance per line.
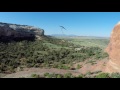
[14, 31]
[113, 50]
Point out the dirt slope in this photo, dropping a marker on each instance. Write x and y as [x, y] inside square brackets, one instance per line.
[99, 66]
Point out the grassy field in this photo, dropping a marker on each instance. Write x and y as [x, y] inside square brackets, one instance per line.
[89, 41]
[54, 46]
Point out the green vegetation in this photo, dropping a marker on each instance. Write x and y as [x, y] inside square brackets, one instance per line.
[103, 75]
[115, 75]
[34, 76]
[80, 76]
[49, 52]
[91, 61]
[48, 75]
[61, 66]
[67, 75]
[79, 66]
[97, 74]
[90, 42]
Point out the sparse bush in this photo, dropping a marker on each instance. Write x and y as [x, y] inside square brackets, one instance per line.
[91, 61]
[59, 76]
[53, 75]
[89, 73]
[80, 76]
[102, 75]
[46, 74]
[34, 76]
[79, 66]
[61, 66]
[68, 75]
[49, 75]
[105, 55]
[115, 75]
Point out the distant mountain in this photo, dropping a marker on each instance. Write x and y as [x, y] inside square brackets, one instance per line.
[92, 37]
[75, 36]
[63, 35]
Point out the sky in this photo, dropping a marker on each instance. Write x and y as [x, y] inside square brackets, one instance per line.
[76, 23]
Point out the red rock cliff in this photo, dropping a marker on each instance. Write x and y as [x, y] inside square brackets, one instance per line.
[113, 50]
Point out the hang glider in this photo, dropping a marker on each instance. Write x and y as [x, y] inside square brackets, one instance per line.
[62, 27]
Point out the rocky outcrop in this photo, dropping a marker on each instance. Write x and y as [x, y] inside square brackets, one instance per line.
[14, 31]
[113, 50]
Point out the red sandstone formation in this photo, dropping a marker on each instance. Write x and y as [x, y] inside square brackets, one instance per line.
[113, 50]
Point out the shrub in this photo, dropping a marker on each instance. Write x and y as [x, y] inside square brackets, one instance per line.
[102, 75]
[105, 55]
[91, 61]
[35, 76]
[61, 66]
[59, 76]
[68, 75]
[89, 73]
[80, 76]
[46, 74]
[79, 66]
[115, 75]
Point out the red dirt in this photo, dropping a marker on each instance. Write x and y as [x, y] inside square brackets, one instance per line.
[100, 66]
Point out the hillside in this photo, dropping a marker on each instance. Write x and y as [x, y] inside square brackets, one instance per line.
[47, 53]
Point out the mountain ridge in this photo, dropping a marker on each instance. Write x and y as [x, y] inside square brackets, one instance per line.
[10, 31]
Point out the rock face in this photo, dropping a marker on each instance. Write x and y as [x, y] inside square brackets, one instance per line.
[15, 31]
[113, 50]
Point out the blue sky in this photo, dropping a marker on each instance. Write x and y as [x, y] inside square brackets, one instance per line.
[77, 23]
